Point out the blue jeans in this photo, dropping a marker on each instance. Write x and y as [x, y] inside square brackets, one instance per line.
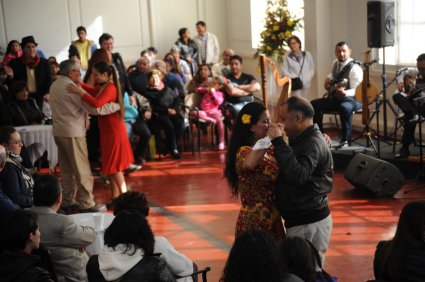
[344, 107]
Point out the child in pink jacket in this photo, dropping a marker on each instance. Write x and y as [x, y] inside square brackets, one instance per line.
[211, 99]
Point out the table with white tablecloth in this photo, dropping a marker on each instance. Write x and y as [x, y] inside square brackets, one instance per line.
[86, 219]
[40, 134]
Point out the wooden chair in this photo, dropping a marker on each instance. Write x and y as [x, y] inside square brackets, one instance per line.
[272, 101]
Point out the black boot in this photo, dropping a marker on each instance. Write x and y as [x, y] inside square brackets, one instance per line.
[403, 153]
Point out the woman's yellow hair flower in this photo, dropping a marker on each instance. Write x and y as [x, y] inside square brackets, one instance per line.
[246, 119]
[287, 33]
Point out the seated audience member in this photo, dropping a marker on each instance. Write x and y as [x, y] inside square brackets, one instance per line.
[223, 68]
[184, 66]
[22, 109]
[240, 87]
[6, 204]
[138, 77]
[128, 254]
[33, 69]
[341, 84]
[136, 118]
[403, 257]
[188, 49]
[255, 257]
[166, 107]
[19, 237]
[16, 181]
[406, 92]
[177, 263]
[46, 109]
[211, 99]
[202, 78]
[300, 258]
[13, 51]
[171, 79]
[65, 239]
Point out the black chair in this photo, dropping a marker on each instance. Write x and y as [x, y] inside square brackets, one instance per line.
[196, 273]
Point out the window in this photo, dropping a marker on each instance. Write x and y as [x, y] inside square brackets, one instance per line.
[258, 11]
[409, 38]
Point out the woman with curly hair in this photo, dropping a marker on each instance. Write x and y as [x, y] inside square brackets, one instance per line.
[128, 254]
[403, 257]
[251, 172]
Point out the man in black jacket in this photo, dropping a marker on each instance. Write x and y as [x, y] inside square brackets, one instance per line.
[305, 174]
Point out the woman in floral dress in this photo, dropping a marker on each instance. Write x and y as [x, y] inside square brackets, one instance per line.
[251, 173]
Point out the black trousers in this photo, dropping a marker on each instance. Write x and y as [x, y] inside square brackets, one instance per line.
[409, 110]
[141, 128]
[173, 127]
[93, 140]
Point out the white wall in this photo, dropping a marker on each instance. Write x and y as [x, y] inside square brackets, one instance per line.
[135, 24]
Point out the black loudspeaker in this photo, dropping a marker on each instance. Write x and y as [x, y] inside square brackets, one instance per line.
[380, 23]
[380, 178]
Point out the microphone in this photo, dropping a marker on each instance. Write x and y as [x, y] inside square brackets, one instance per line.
[401, 70]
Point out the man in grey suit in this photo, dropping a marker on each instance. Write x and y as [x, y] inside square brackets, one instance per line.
[65, 239]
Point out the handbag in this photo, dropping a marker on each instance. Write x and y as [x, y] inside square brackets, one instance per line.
[296, 82]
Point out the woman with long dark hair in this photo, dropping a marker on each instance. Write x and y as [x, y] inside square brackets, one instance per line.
[251, 173]
[128, 254]
[114, 144]
[403, 257]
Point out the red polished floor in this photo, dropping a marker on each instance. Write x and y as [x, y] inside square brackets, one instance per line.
[193, 208]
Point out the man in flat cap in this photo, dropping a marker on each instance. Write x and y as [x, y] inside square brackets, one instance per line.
[32, 69]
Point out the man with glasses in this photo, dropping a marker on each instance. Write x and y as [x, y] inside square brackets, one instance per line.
[411, 84]
[305, 174]
[69, 114]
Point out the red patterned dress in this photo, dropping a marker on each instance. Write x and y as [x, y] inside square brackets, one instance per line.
[257, 193]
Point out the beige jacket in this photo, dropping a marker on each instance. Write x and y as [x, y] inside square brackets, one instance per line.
[213, 48]
[64, 239]
[69, 111]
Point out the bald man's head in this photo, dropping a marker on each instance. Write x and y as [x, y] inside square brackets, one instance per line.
[301, 105]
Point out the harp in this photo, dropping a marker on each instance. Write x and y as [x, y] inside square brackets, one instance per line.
[271, 82]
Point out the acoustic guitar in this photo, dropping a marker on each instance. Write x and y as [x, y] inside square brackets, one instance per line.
[367, 91]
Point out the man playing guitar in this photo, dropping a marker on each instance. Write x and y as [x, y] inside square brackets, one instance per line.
[341, 84]
[410, 85]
